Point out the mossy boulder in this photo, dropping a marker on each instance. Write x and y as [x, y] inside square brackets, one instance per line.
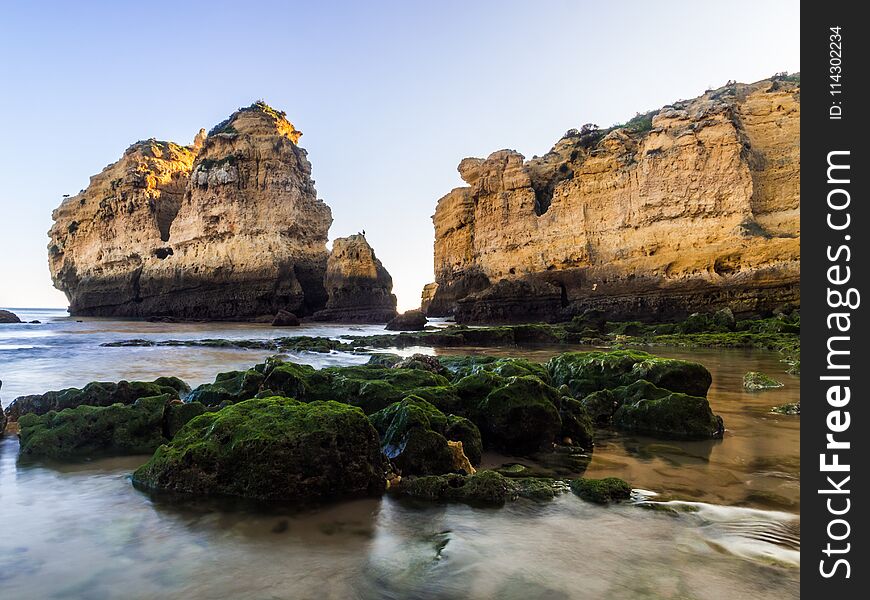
[484, 488]
[422, 361]
[460, 429]
[271, 449]
[462, 366]
[755, 381]
[228, 388]
[91, 431]
[600, 406]
[414, 436]
[384, 359]
[577, 425]
[588, 372]
[520, 417]
[287, 379]
[601, 491]
[372, 388]
[96, 393]
[177, 414]
[648, 409]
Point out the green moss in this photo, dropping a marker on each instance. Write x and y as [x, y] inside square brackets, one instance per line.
[484, 488]
[756, 381]
[414, 436]
[600, 406]
[520, 417]
[96, 393]
[462, 366]
[91, 431]
[588, 372]
[646, 408]
[271, 448]
[601, 491]
[229, 387]
[287, 379]
[177, 414]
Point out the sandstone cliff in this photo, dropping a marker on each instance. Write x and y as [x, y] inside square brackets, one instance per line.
[692, 207]
[228, 228]
[358, 285]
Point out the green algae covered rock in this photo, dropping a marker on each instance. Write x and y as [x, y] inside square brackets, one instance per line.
[601, 491]
[755, 381]
[96, 393]
[286, 379]
[91, 431]
[588, 372]
[177, 414]
[462, 366]
[271, 449]
[648, 409]
[484, 488]
[577, 425]
[520, 417]
[369, 387]
[792, 408]
[229, 387]
[414, 436]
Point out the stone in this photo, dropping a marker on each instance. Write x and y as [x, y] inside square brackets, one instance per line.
[92, 431]
[229, 228]
[601, 491]
[755, 381]
[411, 320]
[96, 393]
[422, 361]
[695, 209]
[359, 288]
[275, 449]
[8, 317]
[413, 436]
[588, 372]
[285, 319]
[3, 417]
[647, 409]
[483, 488]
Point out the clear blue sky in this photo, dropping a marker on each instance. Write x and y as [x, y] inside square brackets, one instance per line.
[390, 95]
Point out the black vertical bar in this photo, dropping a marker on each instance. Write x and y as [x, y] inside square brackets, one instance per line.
[835, 232]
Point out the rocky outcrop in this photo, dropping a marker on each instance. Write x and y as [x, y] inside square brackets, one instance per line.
[8, 317]
[359, 288]
[694, 207]
[227, 228]
[411, 320]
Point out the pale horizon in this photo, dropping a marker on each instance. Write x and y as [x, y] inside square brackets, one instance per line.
[390, 98]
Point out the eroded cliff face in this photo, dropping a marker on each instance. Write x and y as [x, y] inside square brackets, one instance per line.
[696, 210]
[228, 228]
[358, 286]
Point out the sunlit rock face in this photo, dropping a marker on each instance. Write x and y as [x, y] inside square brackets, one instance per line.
[227, 228]
[359, 288]
[692, 207]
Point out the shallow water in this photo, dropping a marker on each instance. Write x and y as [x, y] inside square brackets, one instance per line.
[727, 524]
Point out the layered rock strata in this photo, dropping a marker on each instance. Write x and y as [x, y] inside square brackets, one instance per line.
[227, 228]
[694, 207]
[358, 286]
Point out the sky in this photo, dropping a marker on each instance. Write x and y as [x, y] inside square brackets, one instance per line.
[390, 96]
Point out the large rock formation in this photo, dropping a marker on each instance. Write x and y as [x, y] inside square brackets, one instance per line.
[358, 285]
[692, 207]
[228, 228]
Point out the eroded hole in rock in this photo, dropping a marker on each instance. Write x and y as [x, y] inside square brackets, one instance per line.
[543, 198]
[162, 253]
[166, 210]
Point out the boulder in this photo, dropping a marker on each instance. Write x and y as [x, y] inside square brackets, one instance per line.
[275, 449]
[601, 491]
[8, 317]
[91, 431]
[96, 393]
[483, 488]
[285, 319]
[229, 387]
[648, 409]
[588, 372]
[413, 437]
[412, 320]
